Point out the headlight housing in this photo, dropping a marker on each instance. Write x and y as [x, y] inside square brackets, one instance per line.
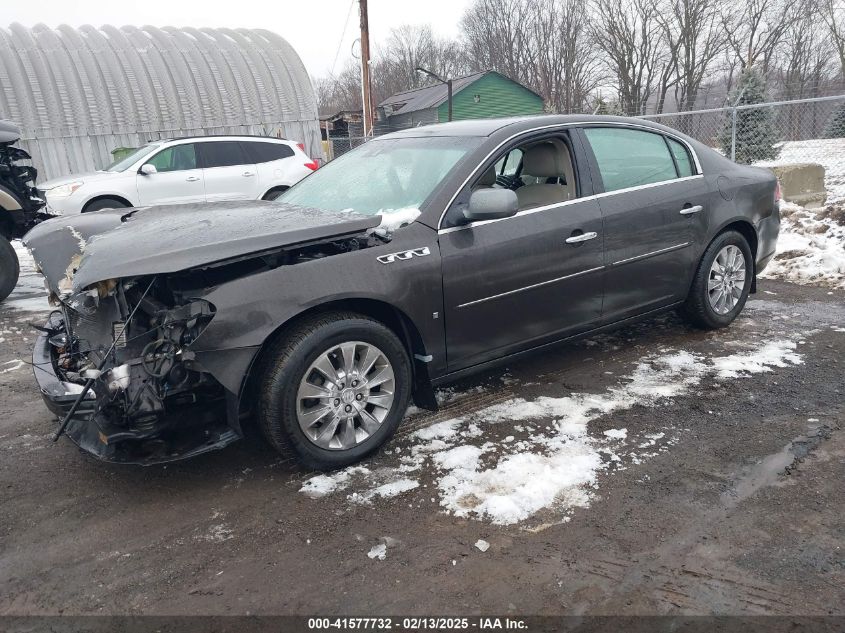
[63, 191]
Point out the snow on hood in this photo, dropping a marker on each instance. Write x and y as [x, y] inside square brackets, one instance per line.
[392, 219]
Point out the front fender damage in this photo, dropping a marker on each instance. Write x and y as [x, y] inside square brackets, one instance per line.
[157, 394]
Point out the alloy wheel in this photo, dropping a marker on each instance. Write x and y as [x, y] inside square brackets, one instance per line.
[345, 395]
[726, 280]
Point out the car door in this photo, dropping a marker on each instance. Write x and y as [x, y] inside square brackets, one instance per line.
[515, 283]
[652, 197]
[229, 174]
[177, 180]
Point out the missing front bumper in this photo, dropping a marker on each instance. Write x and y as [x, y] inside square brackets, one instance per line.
[187, 432]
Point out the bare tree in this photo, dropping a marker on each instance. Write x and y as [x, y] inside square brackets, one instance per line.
[497, 35]
[633, 44]
[754, 30]
[833, 14]
[807, 52]
[696, 28]
[566, 68]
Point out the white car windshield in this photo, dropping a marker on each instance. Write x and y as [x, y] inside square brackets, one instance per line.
[127, 161]
[383, 176]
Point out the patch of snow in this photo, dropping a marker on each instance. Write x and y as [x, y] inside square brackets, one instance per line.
[386, 491]
[482, 545]
[392, 219]
[556, 467]
[773, 354]
[811, 246]
[378, 551]
[321, 485]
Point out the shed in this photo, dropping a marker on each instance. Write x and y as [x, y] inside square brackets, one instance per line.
[479, 95]
[79, 94]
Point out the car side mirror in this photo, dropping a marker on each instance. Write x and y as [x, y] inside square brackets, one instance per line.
[491, 204]
[148, 169]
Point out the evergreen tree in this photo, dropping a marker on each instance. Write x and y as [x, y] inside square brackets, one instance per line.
[835, 127]
[756, 133]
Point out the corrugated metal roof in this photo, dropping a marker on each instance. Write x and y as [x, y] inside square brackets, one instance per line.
[428, 97]
[79, 93]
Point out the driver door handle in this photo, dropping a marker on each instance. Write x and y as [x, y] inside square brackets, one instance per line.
[691, 210]
[246, 174]
[583, 237]
[192, 178]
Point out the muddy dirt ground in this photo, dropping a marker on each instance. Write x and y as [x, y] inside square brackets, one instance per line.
[726, 497]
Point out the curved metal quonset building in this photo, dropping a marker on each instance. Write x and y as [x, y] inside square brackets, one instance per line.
[78, 94]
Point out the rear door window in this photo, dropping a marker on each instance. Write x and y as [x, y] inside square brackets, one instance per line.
[222, 154]
[630, 158]
[263, 152]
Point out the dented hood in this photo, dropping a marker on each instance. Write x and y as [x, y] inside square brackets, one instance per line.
[81, 250]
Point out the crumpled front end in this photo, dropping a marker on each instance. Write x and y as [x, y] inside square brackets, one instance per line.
[150, 400]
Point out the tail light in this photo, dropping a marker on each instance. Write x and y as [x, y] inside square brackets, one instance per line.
[312, 165]
[301, 146]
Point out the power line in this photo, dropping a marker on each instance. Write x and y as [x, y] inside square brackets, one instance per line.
[342, 36]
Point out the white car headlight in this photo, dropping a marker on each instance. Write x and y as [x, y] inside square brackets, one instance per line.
[63, 191]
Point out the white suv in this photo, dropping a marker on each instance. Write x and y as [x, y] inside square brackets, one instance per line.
[176, 171]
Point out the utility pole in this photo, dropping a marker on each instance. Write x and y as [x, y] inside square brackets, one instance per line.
[366, 87]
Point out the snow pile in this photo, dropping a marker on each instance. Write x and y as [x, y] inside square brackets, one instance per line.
[555, 468]
[811, 246]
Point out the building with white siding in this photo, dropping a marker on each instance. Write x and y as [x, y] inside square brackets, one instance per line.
[79, 94]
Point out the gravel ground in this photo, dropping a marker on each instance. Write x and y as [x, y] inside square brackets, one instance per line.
[656, 470]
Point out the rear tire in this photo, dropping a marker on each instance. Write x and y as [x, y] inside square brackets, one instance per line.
[274, 193]
[105, 203]
[721, 284]
[9, 268]
[292, 422]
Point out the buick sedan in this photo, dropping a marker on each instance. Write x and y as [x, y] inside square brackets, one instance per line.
[419, 257]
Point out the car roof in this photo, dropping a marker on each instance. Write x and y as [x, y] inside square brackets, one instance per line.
[487, 127]
[226, 137]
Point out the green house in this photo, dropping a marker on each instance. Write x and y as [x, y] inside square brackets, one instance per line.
[477, 96]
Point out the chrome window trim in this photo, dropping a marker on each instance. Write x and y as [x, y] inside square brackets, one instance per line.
[557, 205]
[563, 126]
[635, 258]
[532, 286]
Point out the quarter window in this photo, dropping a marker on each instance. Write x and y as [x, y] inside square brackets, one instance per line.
[175, 158]
[222, 154]
[629, 158]
[260, 152]
[682, 159]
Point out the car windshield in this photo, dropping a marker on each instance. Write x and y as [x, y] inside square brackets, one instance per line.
[383, 176]
[127, 161]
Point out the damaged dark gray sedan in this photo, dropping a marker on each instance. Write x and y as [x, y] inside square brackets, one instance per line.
[415, 259]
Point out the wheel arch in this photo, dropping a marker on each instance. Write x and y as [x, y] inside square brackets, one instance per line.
[745, 228]
[106, 196]
[392, 317]
[278, 188]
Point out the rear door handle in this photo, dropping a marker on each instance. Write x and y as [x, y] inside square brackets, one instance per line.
[583, 237]
[246, 174]
[691, 210]
[192, 178]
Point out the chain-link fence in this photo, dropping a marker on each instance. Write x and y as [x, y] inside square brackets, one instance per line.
[789, 131]
[798, 131]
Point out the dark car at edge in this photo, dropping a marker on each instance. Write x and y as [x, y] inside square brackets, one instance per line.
[418, 258]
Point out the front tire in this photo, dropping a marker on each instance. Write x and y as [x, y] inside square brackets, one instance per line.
[722, 282]
[9, 268]
[334, 389]
[105, 203]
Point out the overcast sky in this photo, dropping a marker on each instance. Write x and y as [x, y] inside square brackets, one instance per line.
[313, 27]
